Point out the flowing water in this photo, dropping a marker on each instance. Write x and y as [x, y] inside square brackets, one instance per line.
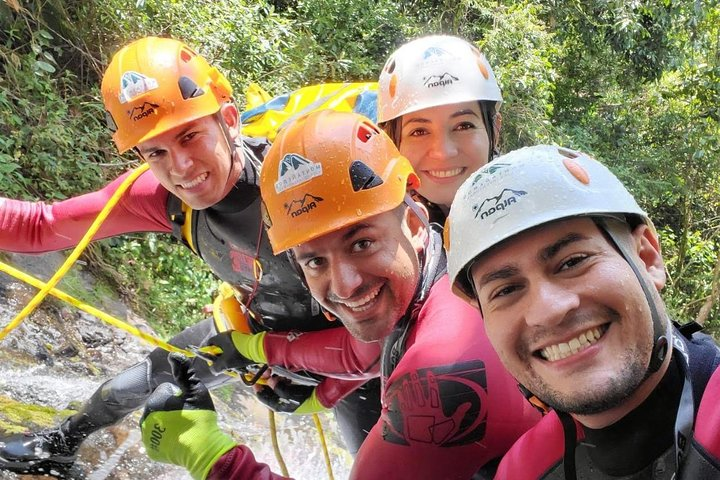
[52, 360]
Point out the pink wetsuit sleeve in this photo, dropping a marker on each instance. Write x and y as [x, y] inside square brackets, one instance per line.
[331, 390]
[333, 353]
[240, 464]
[37, 227]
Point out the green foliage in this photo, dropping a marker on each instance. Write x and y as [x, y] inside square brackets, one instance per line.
[168, 284]
[521, 51]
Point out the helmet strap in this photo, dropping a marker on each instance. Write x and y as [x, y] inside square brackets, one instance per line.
[228, 138]
[616, 231]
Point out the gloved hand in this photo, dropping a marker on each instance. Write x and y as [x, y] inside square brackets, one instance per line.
[282, 396]
[179, 424]
[238, 350]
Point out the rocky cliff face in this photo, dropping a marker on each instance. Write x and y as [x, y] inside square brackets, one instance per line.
[58, 357]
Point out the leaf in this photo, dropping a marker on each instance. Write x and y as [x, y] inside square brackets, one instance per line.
[44, 66]
[49, 56]
[45, 34]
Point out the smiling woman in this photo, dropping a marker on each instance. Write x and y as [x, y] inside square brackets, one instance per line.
[438, 101]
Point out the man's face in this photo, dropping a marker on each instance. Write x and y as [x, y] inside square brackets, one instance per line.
[567, 315]
[192, 161]
[365, 274]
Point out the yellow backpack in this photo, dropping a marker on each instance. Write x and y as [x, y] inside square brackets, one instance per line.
[265, 116]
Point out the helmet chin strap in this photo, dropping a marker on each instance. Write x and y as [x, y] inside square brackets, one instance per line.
[616, 231]
[228, 139]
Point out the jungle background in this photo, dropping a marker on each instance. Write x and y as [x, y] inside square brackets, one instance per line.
[634, 83]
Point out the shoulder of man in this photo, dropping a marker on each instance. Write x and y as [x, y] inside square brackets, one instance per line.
[536, 453]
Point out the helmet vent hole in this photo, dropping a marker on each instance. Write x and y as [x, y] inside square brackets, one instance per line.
[390, 68]
[189, 89]
[567, 153]
[363, 177]
[186, 55]
[365, 132]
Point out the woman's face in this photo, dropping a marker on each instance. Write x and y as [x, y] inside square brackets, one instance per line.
[445, 144]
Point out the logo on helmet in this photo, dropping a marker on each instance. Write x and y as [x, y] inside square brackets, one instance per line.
[304, 205]
[489, 169]
[295, 170]
[142, 111]
[440, 80]
[490, 206]
[433, 52]
[134, 84]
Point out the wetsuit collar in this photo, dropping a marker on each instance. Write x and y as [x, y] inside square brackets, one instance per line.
[242, 194]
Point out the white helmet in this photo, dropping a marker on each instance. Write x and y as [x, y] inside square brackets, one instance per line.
[521, 190]
[432, 71]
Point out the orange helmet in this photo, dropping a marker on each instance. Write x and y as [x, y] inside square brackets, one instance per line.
[155, 84]
[328, 170]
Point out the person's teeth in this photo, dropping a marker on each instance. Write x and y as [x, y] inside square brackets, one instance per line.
[445, 173]
[363, 303]
[195, 181]
[565, 349]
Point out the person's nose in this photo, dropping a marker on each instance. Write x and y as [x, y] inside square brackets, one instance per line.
[345, 280]
[442, 147]
[549, 303]
[180, 162]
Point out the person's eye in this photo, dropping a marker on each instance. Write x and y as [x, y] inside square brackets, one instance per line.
[417, 132]
[504, 291]
[573, 261]
[466, 126]
[155, 154]
[361, 245]
[189, 136]
[314, 263]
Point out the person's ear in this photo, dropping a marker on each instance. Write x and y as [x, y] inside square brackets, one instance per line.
[231, 116]
[417, 226]
[648, 250]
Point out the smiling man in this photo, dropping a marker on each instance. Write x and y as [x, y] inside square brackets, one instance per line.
[566, 269]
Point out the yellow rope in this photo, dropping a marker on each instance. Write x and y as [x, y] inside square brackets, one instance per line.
[39, 284]
[32, 305]
[275, 444]
[326, 454]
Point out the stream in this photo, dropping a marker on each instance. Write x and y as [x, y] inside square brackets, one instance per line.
[59, 356]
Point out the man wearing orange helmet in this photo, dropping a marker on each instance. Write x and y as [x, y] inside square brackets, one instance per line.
[335, 194]
[175, 110]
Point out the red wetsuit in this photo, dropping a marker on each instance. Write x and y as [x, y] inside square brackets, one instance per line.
[448, 405]
[640, 445]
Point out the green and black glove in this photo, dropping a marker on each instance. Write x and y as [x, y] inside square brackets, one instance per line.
[288, 397]
[179, 424]
[234, 350]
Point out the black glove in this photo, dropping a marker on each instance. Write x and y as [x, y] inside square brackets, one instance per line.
[288, 397]
[238, 351]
